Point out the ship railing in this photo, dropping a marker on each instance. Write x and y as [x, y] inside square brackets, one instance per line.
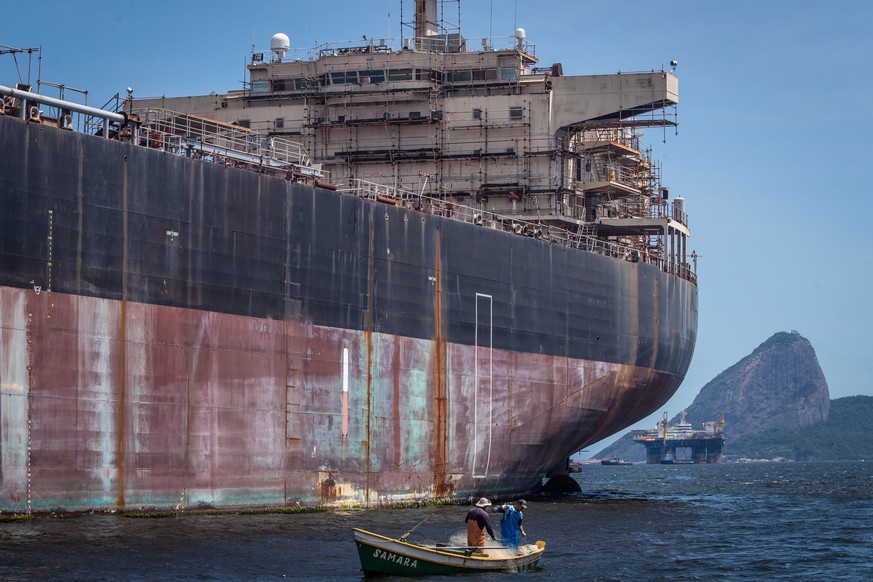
[185, 134]
[177, 133]
[622, 209]
[381, 192]
[448, 208]
[444, 43]
[31, 106]
[633, 178]
[645, 209]
[665, 209]
[94, 125]
[600, 136]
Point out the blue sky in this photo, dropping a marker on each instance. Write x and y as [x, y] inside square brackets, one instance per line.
[772, 152]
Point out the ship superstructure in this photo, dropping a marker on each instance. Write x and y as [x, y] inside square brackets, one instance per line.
[474, 123]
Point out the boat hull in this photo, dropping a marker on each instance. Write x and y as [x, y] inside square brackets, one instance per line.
[382, 555]
[178, 334]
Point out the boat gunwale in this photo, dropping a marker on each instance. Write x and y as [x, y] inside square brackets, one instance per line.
[482, 561]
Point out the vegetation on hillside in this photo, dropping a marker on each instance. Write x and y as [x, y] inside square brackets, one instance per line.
[845, 436]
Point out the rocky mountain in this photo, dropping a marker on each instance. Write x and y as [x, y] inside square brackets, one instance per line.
[778, 386]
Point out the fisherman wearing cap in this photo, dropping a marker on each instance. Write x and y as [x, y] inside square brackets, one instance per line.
[478, 524]
[511, 524]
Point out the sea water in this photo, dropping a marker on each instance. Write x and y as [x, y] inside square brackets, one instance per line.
[756, 521]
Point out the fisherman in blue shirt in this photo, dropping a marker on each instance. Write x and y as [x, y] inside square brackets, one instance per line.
[511, 524]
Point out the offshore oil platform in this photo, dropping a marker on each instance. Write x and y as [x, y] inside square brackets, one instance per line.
[664, 443]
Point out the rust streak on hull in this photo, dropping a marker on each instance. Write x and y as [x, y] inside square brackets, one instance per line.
[368, 342]
[121, 416]
[441, 487]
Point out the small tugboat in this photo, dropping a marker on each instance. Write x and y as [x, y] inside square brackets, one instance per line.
[614, 460]
[400, 557]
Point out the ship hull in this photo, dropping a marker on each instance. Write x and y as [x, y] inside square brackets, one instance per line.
[178, 334]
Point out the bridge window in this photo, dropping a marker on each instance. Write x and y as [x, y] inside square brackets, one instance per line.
[343, 77]
[374, 76]
[261, 86]
[400, 75]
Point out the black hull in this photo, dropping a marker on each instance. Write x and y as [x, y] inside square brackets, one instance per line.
[444, 320]
[145, 226]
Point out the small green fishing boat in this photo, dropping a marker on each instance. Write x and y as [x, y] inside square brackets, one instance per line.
[399, 557]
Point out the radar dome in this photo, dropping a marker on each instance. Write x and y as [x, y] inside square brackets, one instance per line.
[279, 44]
[519, 37]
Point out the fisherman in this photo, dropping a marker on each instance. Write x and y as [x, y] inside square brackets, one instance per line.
[511, 525]
[477, 524]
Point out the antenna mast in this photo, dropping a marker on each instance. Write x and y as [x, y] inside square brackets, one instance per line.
[430, 18]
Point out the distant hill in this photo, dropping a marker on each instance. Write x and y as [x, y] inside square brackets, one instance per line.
[778, 387]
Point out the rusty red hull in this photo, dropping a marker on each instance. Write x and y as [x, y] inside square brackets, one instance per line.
[141, 406]
[177, 335]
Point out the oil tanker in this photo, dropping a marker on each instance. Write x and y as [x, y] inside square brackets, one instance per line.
[385, 271]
